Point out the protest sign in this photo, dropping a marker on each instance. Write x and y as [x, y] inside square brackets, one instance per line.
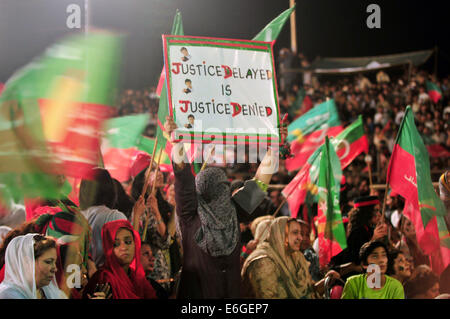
[222, 91]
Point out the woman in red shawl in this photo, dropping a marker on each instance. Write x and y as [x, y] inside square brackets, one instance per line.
[122, 269]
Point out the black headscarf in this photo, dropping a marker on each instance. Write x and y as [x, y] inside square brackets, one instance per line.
[219, 232]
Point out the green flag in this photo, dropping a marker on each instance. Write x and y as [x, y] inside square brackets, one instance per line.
[163, 109]
[71, 86]
[273, 29]
[125, 131]
[323, 115]
[332, 239]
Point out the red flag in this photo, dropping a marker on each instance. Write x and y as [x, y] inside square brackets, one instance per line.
[307, 104]
[162, 79]
[75, 192]
[118, 162]
[437, 150]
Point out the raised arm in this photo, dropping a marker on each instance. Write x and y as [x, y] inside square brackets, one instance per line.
[185, 192]
[269, 165]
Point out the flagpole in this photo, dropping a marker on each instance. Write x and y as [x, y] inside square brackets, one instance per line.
[101, 163]
[157, 169]
[147, 217]
[208, 158]
[281, 205]
[384, 202]
[86, 16]
[293, 29]
[149, 168]
[368, 160]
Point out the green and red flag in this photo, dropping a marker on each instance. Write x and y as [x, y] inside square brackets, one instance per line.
[79, 99]
[177, 29]
[331, 232]
[434, 92]
[51, 112]
[348, 145]
[163, 109]
[351, 142]
[308, 132]
[120, 145]
[409, 176]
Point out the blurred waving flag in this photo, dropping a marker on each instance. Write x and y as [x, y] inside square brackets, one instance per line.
[146, 144]
[308, 132]
[120, 145]
[332, 238]
[51, 112]
[272, 30]
[409, 176]
[163, 109]
[348, 145]
[434, 92]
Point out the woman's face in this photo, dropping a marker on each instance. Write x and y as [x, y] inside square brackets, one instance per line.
[294, 236]
[376, 217]
[402, 268]
[171, 194]
[124, 247]
[159, 179]
[45, 268]
[305, 241]
[147, 259]
[433, 292]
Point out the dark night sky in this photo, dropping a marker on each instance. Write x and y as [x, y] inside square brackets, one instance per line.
[324, 28]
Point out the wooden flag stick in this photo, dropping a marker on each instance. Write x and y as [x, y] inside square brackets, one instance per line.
[384, 202]
[147, 216]
[368, 160]
[209, 157]
[101, 163]
[156, 171]
[149, 169]
[281, 205]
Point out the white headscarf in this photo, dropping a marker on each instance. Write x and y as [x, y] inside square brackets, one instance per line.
[19, 282]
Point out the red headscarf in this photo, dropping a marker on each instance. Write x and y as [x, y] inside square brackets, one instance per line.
[123, 287]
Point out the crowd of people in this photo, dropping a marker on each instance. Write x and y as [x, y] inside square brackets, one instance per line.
[215, 234]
